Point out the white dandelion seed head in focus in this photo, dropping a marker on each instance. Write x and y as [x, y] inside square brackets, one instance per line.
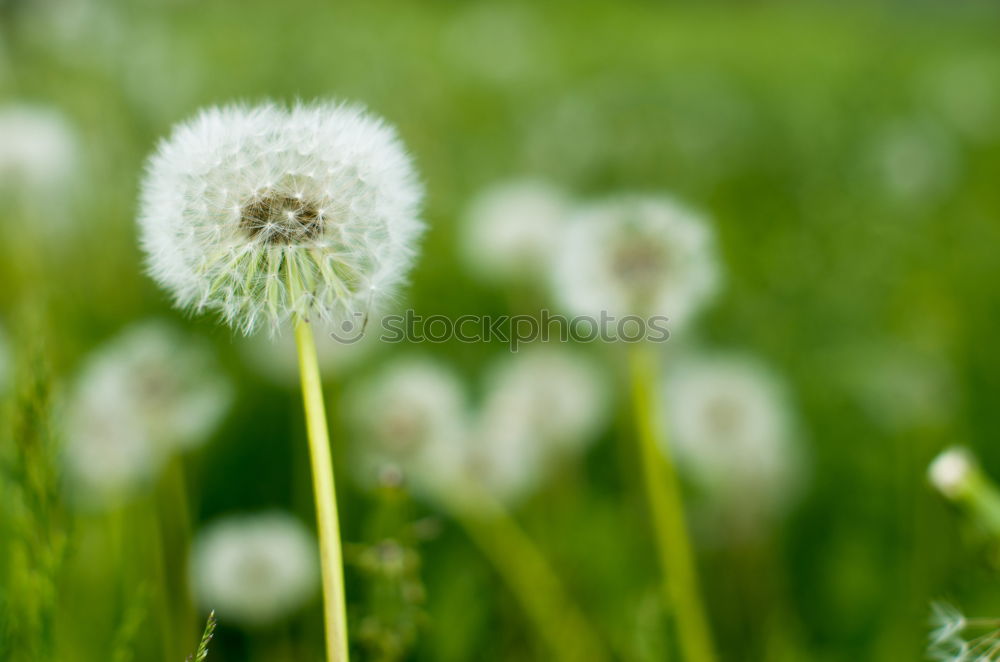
[510, 230]
[732, 431]
[264, 214]
[412, 416]
[146, 394]
[950, 470]
[39, 150]
[637, 255]
[254, 569]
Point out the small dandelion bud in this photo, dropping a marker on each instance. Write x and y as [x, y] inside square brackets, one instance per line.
[266, 214]
[254, 569]
[636, 255]
[949, 472]
[512, 229]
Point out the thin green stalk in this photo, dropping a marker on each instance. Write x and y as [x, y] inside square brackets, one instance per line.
[530, 578]
[175, 522]
[331, 557]
[663, 494]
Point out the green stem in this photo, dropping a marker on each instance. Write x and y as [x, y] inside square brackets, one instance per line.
[331, 558]
[980, 495]
[663, 494]
[532, 581]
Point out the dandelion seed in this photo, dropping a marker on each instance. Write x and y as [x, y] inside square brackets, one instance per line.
[254, 569]
[265, 214]
[955, 638]
[511, 230]
[148, 393]
[732, 432]
[636, 255]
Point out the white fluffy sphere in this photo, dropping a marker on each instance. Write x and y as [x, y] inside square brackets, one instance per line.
[732, 430]
[146, 394]
[39, 150]
[510, 230]
[264, 213]
[636, 255]
[255, 569]
[412, 417]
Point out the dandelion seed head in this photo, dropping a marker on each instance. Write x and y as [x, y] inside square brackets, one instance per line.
[949, 471]
[146, 394]
[636, 255]
[264, 213]
[511, 230]
[554, 394]
[254, 569]
[732, 431]
[39, 150]
[412, 416]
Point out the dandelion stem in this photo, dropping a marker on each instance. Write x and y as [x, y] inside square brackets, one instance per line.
[532, 581]
[334, 604]
[680, 582]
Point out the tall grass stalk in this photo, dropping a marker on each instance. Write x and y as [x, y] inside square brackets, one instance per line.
[531, 579]
[663, 495]
[331, 556]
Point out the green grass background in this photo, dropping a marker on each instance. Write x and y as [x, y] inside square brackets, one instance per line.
[881, 313]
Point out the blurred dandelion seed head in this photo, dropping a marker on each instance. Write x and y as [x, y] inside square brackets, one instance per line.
[637, 255]
[148, 393]
[950, 470]
[412, 417]
[732, 431]
[540, 406]
[254, 569]
[511, 229]
[39, 150]
[264, 214]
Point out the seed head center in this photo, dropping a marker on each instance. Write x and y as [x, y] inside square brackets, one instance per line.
[281, 219]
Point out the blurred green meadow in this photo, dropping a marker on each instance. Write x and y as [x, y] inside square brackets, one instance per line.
[847, 156]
